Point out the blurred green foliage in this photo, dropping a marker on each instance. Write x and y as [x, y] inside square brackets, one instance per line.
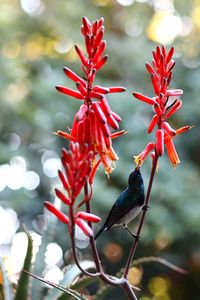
[37, 39]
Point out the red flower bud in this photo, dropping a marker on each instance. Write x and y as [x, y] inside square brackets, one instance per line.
[100, 89]
[62, 197]
[86, 25]
[168, 129]
[115, 135]
[96, 95]
[99, 51]
[144, 98]
[64, 181]
[81, 89]
[175, 93]
[170, 54]
[116, 116]
[99, 112]
[102, 62]
[81, 56]
[150, 69]
[69, 92]
[65, 135]
[88, 216]
[87, 230]
[112, 122]
[117, 89]
[160, 142]
[176, 106]
[61, 216]
[157, 109]
[94, 27]
[81, 114]
[98, 37]
[73, 76]
[155, 84]
[153, 123]
[105, 106]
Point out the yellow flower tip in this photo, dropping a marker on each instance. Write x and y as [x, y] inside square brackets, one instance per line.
[176, 164]
[157, 167]
[112, 154]
[108, 170]
[108, 175]
[138, 161]
[56, 132]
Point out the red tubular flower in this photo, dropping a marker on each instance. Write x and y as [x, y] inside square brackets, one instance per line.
[171, 151]
[172, 154]
[139, 159]
[78, 168]
[94, 120]
[161, 75]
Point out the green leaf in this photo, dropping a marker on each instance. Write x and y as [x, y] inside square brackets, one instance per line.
[5, 285]
[39, 264]
[23, 283]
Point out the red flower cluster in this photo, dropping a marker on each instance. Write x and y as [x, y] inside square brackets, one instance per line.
[93, 120]
[161, 75]
[77, 167]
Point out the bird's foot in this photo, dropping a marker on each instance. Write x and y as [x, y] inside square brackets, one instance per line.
[135, 236]
[145, 207]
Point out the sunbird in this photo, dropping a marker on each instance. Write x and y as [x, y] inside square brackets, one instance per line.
[128, 205]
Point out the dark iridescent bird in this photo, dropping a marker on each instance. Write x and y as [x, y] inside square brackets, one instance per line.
[128, 205]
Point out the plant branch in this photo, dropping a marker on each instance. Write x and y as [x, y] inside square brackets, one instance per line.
[160, 261]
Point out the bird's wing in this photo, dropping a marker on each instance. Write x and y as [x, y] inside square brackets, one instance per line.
[121, 208]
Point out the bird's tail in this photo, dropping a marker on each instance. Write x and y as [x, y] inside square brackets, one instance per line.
[103, 228]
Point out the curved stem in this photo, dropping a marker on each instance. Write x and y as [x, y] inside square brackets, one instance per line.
[72, 235]
[85, 272]
[142, 219]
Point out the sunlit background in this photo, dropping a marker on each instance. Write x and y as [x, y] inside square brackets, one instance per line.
[36, 41]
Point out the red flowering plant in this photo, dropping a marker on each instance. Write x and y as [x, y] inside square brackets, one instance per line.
[163, 106]
[94, 119]
[90, 142]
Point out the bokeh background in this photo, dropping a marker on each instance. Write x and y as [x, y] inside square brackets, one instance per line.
[36, 41]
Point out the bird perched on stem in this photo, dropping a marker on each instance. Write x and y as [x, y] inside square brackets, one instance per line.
[128, 205]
